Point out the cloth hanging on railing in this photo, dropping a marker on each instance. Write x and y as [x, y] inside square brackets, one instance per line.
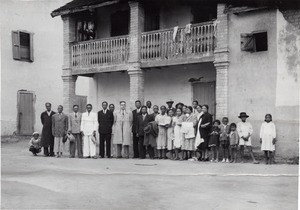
[175, 33]
[187, 29]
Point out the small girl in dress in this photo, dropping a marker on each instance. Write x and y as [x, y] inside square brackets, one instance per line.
[170, 133]
[234, 142]
[34, 144]
[177, 132]
[213, 142]
[268, 138]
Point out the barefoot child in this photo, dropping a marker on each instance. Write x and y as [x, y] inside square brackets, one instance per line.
[245, 131]
[224, 139]
[214, 140]
[234, 142]
[268, 138]
[34, 144]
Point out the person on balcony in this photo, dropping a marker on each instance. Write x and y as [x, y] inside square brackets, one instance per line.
[122, 130]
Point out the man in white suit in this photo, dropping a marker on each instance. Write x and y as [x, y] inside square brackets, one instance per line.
[89, 126]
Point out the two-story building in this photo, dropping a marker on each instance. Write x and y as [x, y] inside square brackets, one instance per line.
[234, 56]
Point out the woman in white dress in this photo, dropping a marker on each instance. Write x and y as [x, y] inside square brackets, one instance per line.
[268, 138]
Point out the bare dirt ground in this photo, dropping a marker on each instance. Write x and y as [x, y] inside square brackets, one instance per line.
[30, 182]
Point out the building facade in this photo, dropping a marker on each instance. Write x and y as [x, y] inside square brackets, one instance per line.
[31, 61]
[232, 57]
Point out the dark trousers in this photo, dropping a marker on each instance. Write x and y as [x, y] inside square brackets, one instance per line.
[142, 148]
[151, 152]
[34, 150]
[135, 146]
[105, 138]
[46, 151]
[76, 144]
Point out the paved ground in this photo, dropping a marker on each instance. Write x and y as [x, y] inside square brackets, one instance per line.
[30, 182]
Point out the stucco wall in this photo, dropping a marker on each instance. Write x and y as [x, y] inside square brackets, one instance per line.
[253, 81]
[160, 84]
[43, 76]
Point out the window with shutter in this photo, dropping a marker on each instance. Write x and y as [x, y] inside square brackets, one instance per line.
[254, 42]
[22, 43]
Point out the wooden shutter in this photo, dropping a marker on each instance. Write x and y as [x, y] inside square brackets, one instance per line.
[16, 45]
[31, 47]
[247, 42]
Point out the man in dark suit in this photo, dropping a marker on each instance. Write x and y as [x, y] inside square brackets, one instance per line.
[142, 121]
[47, 137]
[135, 113]
[105, 120]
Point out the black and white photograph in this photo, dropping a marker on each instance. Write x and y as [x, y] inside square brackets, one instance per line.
[150, 104]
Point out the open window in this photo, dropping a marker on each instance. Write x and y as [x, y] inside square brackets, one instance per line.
[22, 46]
[151, 18]
[204, 13]
[120, 23]
[86, 26]
[254, 42]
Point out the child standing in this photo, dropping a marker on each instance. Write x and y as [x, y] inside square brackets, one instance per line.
[34, 144]
[177, 131]
[245, 131]
[162, 121]
[213, 142]
[234, 142]
[170, 133]
[268, 138]
[224, 139]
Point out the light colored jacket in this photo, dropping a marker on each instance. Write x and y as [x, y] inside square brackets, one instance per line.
[122, 128]
[74, 123]
[89, 123]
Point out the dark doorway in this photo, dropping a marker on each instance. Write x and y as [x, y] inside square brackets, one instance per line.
[120, 23]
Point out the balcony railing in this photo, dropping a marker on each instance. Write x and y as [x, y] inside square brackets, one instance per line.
[195, 42]
[104, 52]
[167, 44]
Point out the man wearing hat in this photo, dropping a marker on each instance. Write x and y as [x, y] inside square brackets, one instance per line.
[245, 131]
[170, 106]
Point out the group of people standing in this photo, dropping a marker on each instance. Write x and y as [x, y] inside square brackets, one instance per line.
[185, 132]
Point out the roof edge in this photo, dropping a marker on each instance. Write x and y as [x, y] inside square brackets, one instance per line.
[82, 8]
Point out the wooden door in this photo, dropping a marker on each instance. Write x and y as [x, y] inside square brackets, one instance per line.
[25, 113]
[81, 101]
[205, 93]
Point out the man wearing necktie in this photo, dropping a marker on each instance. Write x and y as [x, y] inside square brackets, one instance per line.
[74, 129]
[59, 130]
[105, 121]
[195, 104]
[135, 114]
[122, 131]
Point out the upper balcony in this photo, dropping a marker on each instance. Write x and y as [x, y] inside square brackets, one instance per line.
[153, 33]
[190, 44]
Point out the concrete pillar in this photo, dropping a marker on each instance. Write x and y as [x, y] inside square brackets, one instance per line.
[69, 81]
[69, 85]
[221, 62]
[136, 74]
